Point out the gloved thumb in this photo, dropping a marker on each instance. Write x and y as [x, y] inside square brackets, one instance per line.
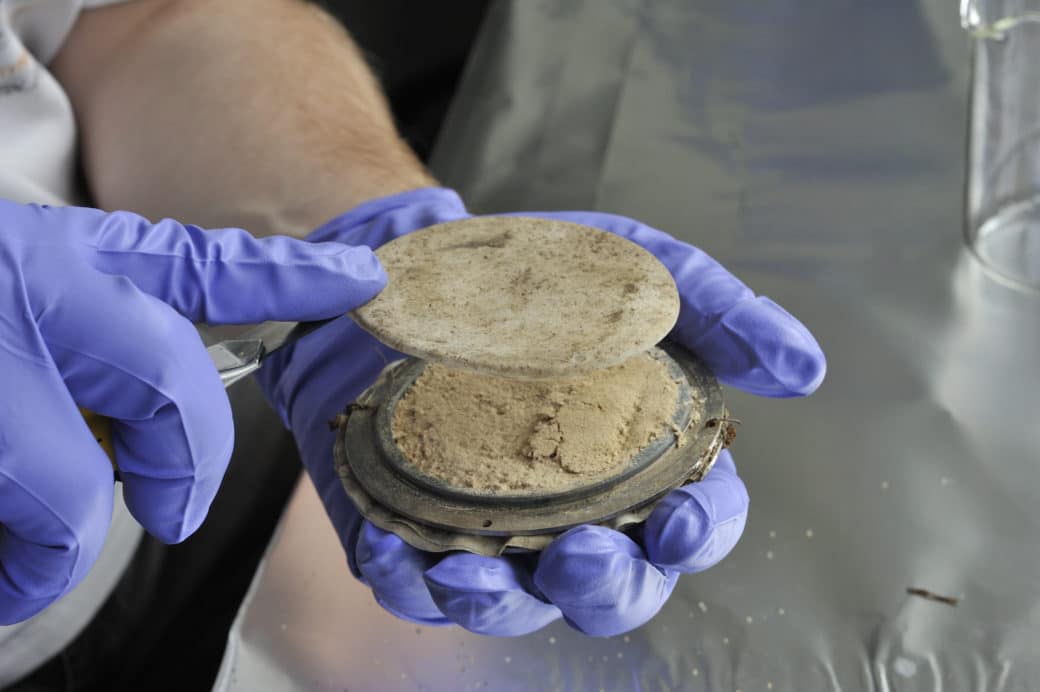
[228, 276]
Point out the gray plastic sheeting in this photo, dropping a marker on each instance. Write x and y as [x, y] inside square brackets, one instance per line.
[816, 149]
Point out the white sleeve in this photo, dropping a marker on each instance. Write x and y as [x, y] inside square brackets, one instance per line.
[42, 26]
[38, 155]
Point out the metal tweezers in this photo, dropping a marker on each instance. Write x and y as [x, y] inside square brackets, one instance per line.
[243, 355]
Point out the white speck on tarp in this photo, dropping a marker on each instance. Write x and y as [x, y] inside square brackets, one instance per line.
[904, 667]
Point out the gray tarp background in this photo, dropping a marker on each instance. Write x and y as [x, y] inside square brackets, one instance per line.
[816, 148]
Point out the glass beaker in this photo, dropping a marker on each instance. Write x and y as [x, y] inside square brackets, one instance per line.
[1003, 205]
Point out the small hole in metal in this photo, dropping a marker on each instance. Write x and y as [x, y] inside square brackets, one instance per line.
[487, 523]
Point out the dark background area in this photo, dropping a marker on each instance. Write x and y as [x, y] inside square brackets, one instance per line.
[418, 50]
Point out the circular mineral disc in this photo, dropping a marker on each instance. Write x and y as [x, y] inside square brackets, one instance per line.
[520, 297]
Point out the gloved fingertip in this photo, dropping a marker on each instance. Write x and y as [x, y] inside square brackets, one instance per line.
[697, 525]
[487, 595]
[469, 572]
[170, 508]
[394, 571]
[812, 375]
[312, 281]
[380, 220]
[354, 270]
[379, 549]
[427, 619]
[601, 581]
[724, 462]
[168, 520]
[761, 348]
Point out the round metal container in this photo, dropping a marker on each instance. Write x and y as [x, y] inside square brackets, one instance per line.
[431, 515]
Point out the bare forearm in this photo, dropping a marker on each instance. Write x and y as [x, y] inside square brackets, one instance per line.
[259, 114]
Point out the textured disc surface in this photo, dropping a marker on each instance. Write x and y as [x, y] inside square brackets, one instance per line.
[520, 297]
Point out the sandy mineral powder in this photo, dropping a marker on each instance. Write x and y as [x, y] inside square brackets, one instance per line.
[499, 435]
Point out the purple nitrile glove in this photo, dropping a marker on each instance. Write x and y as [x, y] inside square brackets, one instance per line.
[601, 581]
[96, 310]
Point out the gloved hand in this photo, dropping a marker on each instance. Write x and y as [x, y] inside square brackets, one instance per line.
[601, 581]
[95, 311]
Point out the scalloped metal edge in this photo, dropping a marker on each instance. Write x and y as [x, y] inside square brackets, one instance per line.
[436, 540]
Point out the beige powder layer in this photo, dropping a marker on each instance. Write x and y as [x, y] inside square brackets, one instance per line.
[499, 435]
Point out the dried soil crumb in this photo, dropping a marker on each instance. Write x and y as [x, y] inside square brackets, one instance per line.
[500, 435]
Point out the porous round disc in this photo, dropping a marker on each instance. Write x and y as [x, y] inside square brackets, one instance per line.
[520, 297]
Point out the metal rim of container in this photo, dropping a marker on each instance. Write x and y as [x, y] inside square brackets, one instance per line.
[429, 518]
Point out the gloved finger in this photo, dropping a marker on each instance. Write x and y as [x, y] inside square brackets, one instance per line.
[601, 581]
[749, 342]
[128, 356]
[695, 526]
[394, 571]
[378, 221]
[488, 595]
[55, 490]
[725, 462]
[226, 275]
